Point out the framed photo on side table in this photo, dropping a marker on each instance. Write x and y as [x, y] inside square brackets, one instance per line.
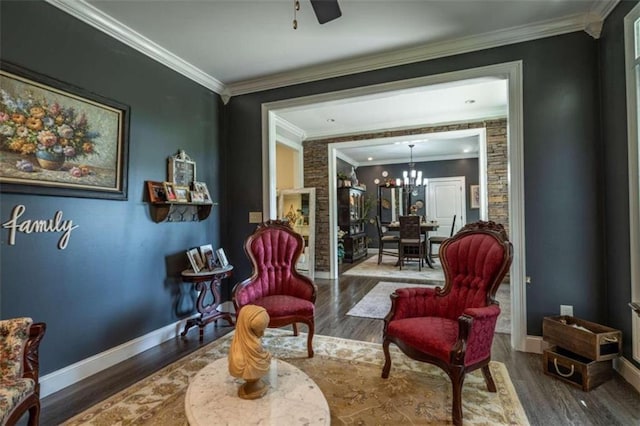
[195, 260]
[208, 257]
[222, 258]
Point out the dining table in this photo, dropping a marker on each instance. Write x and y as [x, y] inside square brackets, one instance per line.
[425, 228]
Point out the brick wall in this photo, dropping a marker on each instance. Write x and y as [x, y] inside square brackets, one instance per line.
[316, 174]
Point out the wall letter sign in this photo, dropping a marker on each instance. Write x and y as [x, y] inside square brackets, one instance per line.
[30, 226]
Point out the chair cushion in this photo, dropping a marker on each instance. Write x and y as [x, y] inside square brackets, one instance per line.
[282, 306]
[390, 238]
[14, 334]
[12, 393]
[431, 335]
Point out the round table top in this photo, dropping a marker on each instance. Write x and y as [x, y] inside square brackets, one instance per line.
[205, 272]
[293, 398]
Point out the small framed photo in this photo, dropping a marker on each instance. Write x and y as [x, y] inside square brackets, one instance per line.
[208, 256]
[196, 197]
[201, 187]
[156, 192]
[197, 264]
[182, 194]
[222, 258]
[475, 196]
[170, 191]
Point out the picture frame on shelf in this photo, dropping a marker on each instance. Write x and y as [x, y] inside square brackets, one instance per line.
[170, 192]
[222, 258]
[196, 197]
[156, 192]
[182, 194]
[197, 264]
[202, 188]
[60, 140]
[181, 169]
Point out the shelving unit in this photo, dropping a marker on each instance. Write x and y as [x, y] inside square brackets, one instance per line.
[179, 212]
[351, 220]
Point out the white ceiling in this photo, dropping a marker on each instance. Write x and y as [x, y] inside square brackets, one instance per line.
[239, 46]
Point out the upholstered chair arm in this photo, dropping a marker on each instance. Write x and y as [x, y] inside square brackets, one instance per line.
[246, 291]
[411, 302]
[475, 337]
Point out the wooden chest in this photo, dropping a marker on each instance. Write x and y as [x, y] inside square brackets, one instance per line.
[593, 341]
[575, 369]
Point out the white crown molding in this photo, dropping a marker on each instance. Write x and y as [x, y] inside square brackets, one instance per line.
[417, 160]
[603, 8]
[96, 18]
[572, 23]
[345, 157]
[290, 127]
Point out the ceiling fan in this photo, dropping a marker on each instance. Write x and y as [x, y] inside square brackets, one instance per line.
[325, 10]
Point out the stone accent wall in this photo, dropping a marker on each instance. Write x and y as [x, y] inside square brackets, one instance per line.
[316, 174]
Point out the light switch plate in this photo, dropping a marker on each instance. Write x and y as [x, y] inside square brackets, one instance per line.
[566, 310]
[255, 217]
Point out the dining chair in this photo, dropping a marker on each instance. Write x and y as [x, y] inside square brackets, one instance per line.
[439, 239]
[412, 240]
[384, 238]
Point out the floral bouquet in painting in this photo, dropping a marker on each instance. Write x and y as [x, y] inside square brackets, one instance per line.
[50, 131]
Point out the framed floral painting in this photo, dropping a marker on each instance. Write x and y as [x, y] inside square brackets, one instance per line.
[56, 139]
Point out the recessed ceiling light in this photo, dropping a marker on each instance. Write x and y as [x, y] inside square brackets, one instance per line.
[370, 158]
[470, 101]
[466, 150]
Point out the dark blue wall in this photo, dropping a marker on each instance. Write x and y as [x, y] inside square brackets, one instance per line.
[616, 178]
[563, 171]
[117, 278]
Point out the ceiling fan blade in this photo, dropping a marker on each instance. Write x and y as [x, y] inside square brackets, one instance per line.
[326, 10]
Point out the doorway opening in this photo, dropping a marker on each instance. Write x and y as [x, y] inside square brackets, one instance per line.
[509, 72]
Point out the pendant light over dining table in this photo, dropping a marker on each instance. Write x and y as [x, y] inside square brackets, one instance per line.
[411, 178]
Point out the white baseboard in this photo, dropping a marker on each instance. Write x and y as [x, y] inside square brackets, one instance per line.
[535, 344]
[326, 275]
[73, 373]
[628, 371]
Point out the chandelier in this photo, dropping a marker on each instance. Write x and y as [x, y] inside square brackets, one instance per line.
[411, 178]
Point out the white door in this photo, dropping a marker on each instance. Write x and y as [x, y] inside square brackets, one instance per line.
[446, 198]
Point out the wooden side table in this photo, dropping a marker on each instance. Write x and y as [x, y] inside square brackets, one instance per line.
[207, 282]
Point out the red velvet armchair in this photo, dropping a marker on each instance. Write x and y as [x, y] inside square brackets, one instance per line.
[453, 327]
[275, 284]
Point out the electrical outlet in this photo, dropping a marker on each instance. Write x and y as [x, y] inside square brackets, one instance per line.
[566, 310]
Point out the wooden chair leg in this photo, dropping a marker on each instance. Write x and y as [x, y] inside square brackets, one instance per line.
[457, 379]
[295, 329]
[34, 415]
[488, 378]
[311, 326]
[380, 248]
[387, 359]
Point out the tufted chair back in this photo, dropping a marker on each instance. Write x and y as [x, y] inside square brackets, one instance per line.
[475, 263]
[274, 251]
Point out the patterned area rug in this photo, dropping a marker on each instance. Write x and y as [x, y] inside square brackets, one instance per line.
[347, 372]
[376, 303]
[387, 269]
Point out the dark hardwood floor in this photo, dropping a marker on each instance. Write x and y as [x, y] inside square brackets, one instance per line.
[546, 401]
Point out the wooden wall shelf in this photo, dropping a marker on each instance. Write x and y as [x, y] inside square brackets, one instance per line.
[179, 212]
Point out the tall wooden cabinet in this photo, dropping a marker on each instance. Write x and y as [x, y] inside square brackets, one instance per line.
[351, 220]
